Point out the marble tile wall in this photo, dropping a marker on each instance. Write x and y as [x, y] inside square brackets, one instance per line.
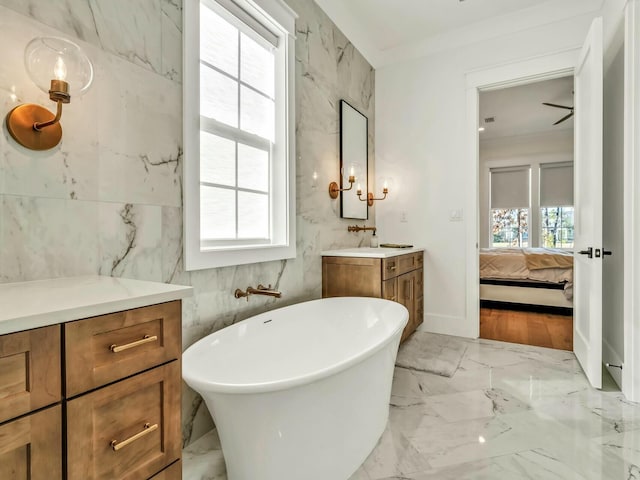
[108, 200]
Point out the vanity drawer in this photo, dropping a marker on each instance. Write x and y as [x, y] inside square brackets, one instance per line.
[29, 371]
[31, 447]
[128, 430]
[390, 268]
[104, 349]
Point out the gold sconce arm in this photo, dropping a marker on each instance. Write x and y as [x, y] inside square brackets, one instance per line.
[370, 198]
[38, 126]
[334, 188]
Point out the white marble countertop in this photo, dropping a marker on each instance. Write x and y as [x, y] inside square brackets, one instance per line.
[27, 305]
[368, 252]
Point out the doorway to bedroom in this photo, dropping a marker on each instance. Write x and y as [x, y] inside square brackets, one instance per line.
[526, 186]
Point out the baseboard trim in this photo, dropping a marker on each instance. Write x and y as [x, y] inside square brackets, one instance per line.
[609, 355]
[446, 325]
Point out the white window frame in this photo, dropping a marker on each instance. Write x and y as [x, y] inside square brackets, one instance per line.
[279, 19]
[535, 220]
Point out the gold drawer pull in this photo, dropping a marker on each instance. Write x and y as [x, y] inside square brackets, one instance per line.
[393, 299]
[147, 429]
[391, 266]
[146, 339]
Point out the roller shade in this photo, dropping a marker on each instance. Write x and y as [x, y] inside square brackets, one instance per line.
[245, 17]
[510, 187]
[556, 184]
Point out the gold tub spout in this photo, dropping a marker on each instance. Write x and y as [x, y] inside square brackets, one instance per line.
[261, 290]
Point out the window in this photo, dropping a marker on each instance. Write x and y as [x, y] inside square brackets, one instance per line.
[556, 205]
[510, 200]
[557, 227]
[238, 129]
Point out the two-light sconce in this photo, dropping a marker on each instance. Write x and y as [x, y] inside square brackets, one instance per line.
[60, 68]
[370, 198]
[334, 188]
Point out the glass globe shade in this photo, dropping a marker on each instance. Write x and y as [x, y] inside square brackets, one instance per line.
[53, 58]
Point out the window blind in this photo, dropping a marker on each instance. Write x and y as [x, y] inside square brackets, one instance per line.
[556, 184]
[246, 18]
[510, 187]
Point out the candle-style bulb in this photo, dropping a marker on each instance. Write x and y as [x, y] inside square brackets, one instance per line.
[60, 70]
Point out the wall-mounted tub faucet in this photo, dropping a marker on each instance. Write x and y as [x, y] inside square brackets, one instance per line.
[261, 290]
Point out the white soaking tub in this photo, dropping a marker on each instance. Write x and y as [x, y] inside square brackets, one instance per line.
[301, 392]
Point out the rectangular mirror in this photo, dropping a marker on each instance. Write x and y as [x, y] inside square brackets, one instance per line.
[354, 156]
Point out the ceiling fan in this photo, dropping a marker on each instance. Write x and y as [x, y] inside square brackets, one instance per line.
[567, 117]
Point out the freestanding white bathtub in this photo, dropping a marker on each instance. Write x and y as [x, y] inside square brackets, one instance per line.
[301, 392]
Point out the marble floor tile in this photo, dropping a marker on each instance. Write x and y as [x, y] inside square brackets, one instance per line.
[394, 455]
[509, 412]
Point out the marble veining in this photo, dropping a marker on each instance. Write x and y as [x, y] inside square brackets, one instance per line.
[108, 200]
[530, 414]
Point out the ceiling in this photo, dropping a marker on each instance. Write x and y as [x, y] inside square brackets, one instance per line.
[519, 110]
[386, 31]
[399, 22]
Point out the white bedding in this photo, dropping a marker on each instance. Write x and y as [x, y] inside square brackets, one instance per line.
[510, 264]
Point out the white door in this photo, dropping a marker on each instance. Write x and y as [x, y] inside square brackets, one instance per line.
[587, 306]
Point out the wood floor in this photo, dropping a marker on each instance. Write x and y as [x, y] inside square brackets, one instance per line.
[540, 329]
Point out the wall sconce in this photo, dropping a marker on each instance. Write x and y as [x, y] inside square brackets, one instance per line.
[334, 188]
[370, 198]
[60, 68]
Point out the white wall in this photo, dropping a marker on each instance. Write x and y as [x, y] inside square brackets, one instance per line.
[533, 150]
[613, 207]
[420, 132]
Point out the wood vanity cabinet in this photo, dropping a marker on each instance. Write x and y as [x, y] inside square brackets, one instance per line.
[104, 391]
[398, 278]
[30, 405]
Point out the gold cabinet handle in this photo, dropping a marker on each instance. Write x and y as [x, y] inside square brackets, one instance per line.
[393, 299]
[146, 339]
[116, 445]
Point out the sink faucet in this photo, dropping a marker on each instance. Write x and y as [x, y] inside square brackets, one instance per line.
[260, 290]
[357, 228]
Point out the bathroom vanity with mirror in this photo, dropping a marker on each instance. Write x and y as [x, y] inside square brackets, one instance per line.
[391, 273]
[90, 381]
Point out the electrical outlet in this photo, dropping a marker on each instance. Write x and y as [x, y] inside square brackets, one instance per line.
[455, 215]
[403, 217]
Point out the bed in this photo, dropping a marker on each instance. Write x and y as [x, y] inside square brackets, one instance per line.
[532, 279]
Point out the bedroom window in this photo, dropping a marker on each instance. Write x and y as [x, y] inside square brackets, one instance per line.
[238, 129]
[557, 227]
[556, 202]
[510, 201]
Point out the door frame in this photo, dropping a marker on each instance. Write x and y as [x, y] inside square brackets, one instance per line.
[546, 67]
[630, 375]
